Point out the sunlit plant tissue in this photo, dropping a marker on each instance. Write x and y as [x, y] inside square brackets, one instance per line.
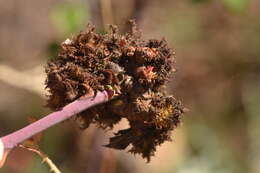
[134, 70]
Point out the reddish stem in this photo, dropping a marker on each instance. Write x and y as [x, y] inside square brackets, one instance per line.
[13, 139]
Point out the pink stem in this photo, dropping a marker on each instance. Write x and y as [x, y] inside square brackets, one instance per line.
[13, 139]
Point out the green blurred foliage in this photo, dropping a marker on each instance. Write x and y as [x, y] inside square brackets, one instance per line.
[53, 49]
[199, 1]
[209, 156]
[69, 18]
[236, 6]
[251, 99]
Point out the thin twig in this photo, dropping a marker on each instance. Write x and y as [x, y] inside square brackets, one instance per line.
[45, 158]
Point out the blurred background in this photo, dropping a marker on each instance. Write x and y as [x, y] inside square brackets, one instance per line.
[217, 43]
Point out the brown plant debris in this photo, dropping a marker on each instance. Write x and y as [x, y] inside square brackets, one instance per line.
[135, 69]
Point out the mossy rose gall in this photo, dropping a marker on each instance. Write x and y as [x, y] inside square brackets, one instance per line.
[102, 78]
[135, 69]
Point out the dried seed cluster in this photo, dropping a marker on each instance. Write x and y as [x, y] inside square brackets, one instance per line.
[134, 69]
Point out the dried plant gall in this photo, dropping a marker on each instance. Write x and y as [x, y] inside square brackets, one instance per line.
[136, 71]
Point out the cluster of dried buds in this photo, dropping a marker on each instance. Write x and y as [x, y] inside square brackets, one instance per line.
[134, 70]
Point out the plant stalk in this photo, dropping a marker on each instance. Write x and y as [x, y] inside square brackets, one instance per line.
[15, 138]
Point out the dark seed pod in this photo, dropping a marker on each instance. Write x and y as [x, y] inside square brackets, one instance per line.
[134, 69]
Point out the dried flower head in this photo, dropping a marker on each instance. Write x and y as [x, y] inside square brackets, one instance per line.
[134, 69]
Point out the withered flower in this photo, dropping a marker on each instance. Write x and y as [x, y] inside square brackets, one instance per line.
[134, 69]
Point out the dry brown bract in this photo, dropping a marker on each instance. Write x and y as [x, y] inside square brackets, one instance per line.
[135, 69]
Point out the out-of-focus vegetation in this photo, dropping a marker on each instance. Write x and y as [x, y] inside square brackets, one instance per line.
[218, 58]
[68, 17]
